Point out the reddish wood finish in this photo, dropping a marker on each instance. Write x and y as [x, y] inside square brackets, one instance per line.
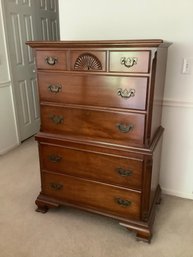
[98, 125]
[92, 90]
[112, 169]
[106, 199]
[150, 43]
[61, 62]
[141, 65]
[100, 139]
[100, 55]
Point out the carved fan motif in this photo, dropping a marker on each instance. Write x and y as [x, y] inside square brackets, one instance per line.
[87, 61]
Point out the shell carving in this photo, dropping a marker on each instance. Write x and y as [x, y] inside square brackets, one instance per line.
[87, 61]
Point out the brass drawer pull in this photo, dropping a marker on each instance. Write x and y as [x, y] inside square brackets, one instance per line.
[56, 186]
[125, 93]
[55, 88]
[124, 173]
[54, 158]
[50, 60]
[128, 61]
[122, 202]
[57, 119]
[125, 128]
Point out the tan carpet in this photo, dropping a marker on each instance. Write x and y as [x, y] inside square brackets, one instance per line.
[67, 232]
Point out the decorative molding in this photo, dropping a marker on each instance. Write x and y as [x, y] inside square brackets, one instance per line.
[25, 109]
[26, 2]
[17, 38]
[5, 84]
[29, 36]
[45, 30]
[53, 5]
[177, 103]
[87, 61]
[43, 4]
[177, 193]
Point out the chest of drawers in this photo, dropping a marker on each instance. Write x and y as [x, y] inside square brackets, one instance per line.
[100, 137]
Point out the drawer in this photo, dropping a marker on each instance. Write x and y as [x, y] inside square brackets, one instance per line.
[88, 61]
[54, 60]
[97, 90]
[129, 61]
[97, 125]
[111, 169]
[88, 194]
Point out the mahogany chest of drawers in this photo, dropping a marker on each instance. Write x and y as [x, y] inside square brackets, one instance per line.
[100, 137]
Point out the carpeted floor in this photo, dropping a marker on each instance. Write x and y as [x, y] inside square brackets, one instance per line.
[67, 232]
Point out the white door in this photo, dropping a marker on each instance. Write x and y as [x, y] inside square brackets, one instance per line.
[48, 17]
[28, 20]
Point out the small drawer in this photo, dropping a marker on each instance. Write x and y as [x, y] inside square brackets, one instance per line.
[130, 61]
[102, 167]
[96, 90]
[96, 125]
[54, 60]
[88, 194]
[88, 61]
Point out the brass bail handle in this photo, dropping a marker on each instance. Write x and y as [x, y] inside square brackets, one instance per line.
[56, 186]
[129, 62]
[54, 158]
[126, 94]
[57, 119]
[55, 88]
[124, 128]
[123, 172]
[51, 60]
[123, 202]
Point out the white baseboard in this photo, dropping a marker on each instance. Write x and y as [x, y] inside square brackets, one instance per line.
[177, 193]
[7, 149]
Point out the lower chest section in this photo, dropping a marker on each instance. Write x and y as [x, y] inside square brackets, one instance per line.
[105, 181]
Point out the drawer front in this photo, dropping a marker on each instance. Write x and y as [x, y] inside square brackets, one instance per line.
[54, 60]
[113, 200]
[88, 61]
[113, 127]
[117, 170]
[110, 91]
[130, 61]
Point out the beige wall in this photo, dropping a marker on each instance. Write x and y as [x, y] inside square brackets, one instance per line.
[169, 20]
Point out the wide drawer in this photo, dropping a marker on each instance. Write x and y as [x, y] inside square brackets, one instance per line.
[54, 60]
[130, 61]
[98, 125]
[88, 194]
[102, 167]
[110, 91]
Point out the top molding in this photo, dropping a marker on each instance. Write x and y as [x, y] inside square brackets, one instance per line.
[99, 43]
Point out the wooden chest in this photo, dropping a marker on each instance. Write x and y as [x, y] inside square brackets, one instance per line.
[100, 138]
